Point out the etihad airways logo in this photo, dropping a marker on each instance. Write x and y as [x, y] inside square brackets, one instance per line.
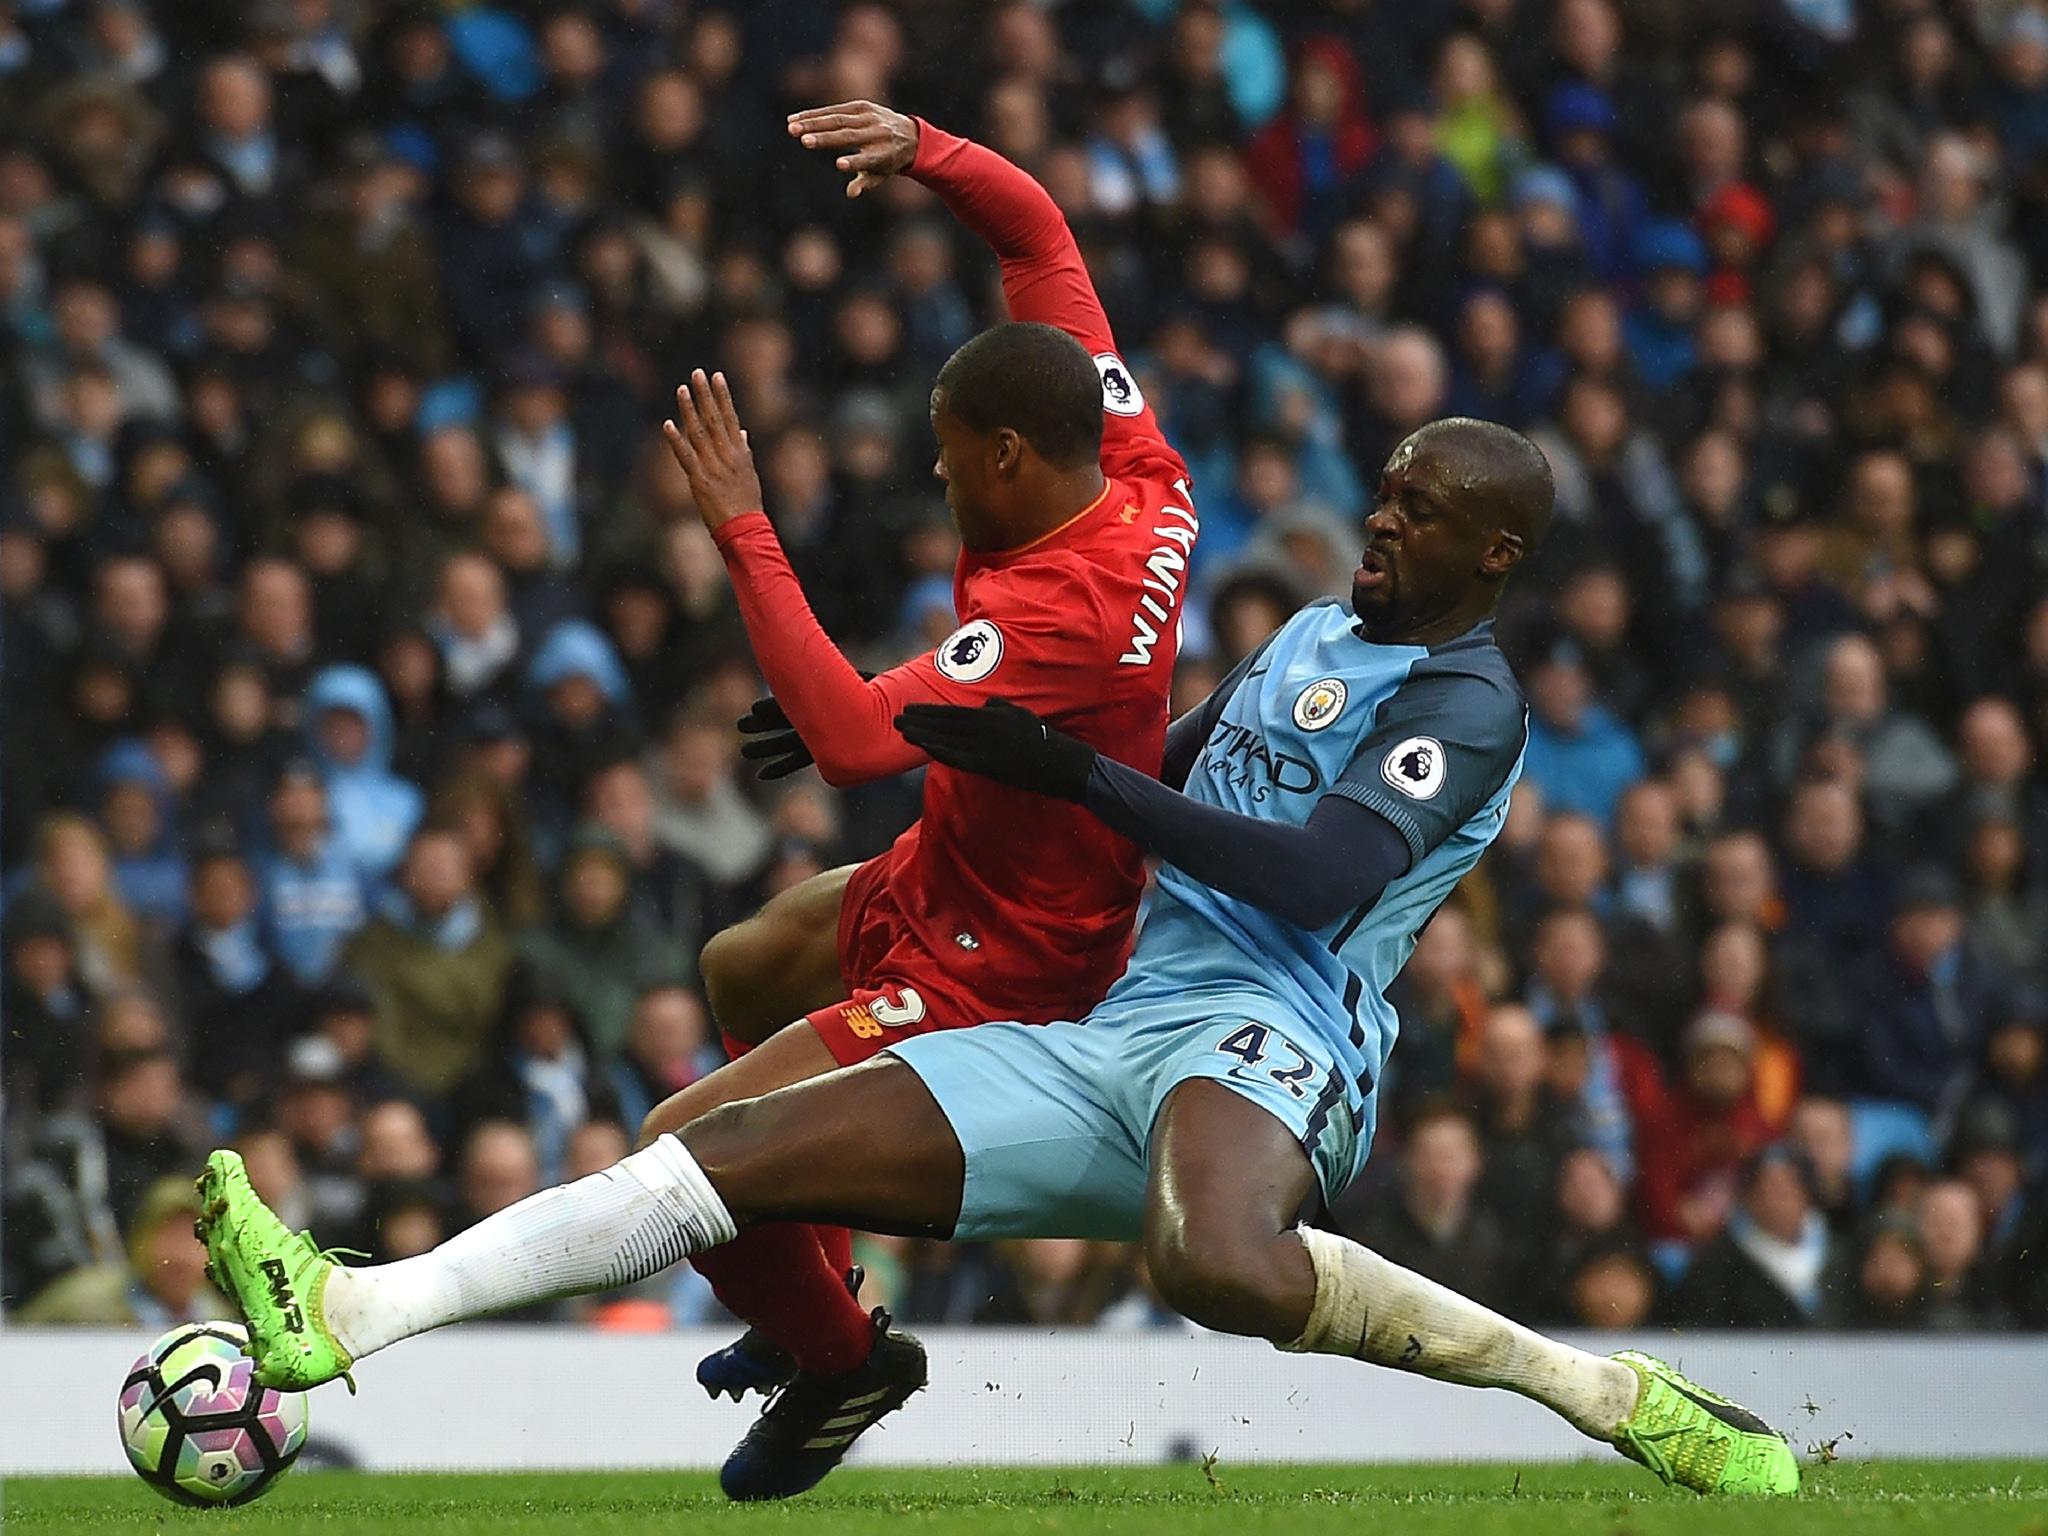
[1238, 757]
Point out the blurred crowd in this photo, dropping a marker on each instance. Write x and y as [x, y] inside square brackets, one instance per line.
[370, 782]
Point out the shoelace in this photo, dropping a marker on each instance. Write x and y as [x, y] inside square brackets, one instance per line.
[1643, 1442]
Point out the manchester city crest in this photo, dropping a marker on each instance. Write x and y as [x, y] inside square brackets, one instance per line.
[1320, 702]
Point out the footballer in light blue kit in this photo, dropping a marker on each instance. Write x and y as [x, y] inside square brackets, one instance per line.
[1280, 994]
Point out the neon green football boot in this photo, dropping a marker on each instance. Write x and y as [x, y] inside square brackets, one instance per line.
[1698, 1439]
[275, 1276]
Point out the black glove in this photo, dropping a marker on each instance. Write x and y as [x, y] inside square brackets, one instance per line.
[772, 743]
[1001, 741]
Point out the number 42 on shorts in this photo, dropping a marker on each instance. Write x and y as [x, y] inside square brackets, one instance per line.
[1255, 1043]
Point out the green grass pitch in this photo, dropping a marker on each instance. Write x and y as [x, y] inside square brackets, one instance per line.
[1844, 1499]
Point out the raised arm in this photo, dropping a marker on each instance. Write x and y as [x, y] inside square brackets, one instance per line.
[1044, 278]
[842, 717]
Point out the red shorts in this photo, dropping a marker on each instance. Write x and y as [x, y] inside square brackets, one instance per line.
[895, 989]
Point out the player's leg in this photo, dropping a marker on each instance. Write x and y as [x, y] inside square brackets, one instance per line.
[807, 1151]
[777, 1277]
[828, 1367]
[789, 1284]
[1018, 1118]
[1040, 1156]
[792, 1283]
[780, 964]
[1227, 1178]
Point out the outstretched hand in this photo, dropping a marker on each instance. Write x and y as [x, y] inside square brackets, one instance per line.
[712, 449]
[1001, 741]
[874, 143]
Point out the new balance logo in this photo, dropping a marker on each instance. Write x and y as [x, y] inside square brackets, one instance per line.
[281, 1294]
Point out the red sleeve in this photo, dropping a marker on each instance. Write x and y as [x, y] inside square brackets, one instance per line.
[1014, 644]
[845, 721]
[1045, 279]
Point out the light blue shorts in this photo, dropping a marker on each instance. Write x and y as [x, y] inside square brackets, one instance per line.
[1056, 1119]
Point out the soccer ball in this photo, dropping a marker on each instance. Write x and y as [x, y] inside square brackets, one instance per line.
[197, 1427]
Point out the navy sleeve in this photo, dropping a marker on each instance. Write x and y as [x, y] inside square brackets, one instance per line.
[1340, 859]
[1185, 736]
[1441, 747]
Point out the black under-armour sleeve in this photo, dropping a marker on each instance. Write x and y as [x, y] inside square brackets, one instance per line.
[1340, 859]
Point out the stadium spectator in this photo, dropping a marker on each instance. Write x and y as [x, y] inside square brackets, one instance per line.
[435, 958]
[1767, 1269]
[45, 1001]
[234, 995]
[161, 1280]
[1434, 1220]
[1579, 754]
[496, 1168]
[138, 809]
[311, 892]
[602, 948]
[350, 734]
[1526, 1131]
[668, 1046]
[1926, 1003]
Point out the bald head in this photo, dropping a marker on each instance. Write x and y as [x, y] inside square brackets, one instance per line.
[1460, 503]
[1504, 473]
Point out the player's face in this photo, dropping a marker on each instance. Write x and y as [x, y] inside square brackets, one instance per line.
[1423, 543]
[975, 467]
[959, 467]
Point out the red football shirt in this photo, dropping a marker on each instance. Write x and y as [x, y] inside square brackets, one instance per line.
[1081, 626]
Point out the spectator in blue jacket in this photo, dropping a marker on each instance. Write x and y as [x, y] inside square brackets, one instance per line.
[348, 730]
[1496, 374]
[1928, 1001]
[312, 892]
[139, 809]
[1611, 209]
[1579, 754]
[1671, 260]
[582, 716]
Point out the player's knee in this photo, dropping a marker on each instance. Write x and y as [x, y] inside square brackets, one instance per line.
[728, 1142]
[1218, 1275]
[658, 1121]
[727, 966]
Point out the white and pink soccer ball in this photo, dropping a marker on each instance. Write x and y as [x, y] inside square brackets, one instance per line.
[196, 1426]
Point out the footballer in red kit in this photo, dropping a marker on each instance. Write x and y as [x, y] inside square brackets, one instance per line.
[998, 903]
[1077, 532]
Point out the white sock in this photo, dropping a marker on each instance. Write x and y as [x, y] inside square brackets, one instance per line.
[1369, 1309]
[632, 1220]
